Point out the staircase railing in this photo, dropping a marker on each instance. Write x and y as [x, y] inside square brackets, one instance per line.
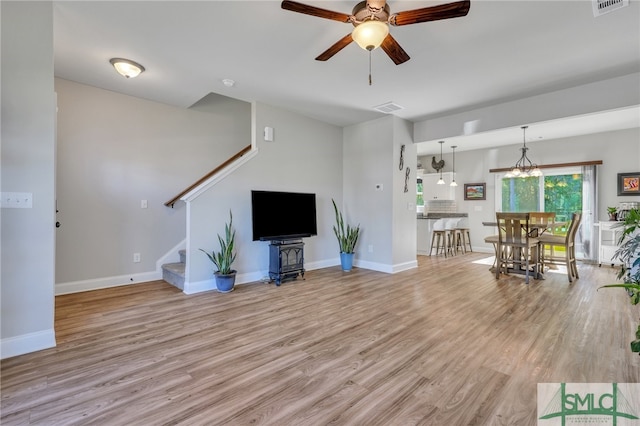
[204, 178]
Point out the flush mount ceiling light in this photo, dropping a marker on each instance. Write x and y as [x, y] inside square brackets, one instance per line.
[524, 167]
[126, 67]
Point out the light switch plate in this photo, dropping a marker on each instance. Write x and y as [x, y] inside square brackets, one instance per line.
[16, 200]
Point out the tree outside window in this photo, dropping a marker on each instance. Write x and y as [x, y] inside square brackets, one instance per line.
[559, 192]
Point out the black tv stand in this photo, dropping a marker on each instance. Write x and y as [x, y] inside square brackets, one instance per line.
[286, 260]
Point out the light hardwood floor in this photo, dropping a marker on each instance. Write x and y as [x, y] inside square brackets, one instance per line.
[443, 344]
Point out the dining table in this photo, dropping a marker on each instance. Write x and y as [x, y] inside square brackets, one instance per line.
[535, 230]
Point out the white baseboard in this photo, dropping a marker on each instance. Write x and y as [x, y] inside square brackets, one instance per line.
[252, 277]
[98, 283]
[405, 266]
[383, 267]
[26, 343]
[319, 264]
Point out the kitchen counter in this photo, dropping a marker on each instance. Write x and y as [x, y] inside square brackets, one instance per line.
[435, 215]
[425, 228]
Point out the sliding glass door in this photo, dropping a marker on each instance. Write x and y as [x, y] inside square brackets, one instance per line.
[561, 190]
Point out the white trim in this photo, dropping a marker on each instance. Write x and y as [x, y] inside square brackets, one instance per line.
[320, 264]
[252, 277]
[204, 186]
[405, 266]
[27, 343]
[170, 256]
[200, 286]
[380, 267]
[106, 282]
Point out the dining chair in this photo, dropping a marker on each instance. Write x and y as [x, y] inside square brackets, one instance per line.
[517, 248]
[546, 220]
[543, 218]
[495, 240]
[566, 242]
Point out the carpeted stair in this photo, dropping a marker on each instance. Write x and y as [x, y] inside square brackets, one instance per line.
[173, 273]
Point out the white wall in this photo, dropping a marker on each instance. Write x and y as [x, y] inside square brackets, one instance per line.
[27, 160]
[115, 151]
[404, 203]
[619, 152]
[371, 159]
[305, 156]
[618, 92]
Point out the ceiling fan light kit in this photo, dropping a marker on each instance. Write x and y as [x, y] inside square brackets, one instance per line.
[370, 34]
[126, 67]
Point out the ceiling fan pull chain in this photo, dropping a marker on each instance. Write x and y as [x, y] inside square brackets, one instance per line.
[369, 67]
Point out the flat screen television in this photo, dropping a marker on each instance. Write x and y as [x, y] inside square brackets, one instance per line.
[283, 215]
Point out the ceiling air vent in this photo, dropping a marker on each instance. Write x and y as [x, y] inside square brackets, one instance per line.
[388, 108]
[601, 7]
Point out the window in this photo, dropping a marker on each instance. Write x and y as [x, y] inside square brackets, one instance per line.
[559, 191]
[419, 198]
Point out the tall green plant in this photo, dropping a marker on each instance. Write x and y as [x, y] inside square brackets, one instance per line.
[629, 254]
[347, 236]
[224, 258]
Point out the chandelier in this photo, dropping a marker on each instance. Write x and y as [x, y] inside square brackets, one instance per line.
[524, 167]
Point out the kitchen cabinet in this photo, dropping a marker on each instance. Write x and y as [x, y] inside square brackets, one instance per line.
[608, 237]
[432, 191]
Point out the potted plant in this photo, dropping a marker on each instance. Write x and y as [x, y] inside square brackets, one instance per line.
[612, 213]
[225, 276]
[629, 254]
[347, 239]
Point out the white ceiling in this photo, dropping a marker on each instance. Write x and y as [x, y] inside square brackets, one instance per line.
[501, 51]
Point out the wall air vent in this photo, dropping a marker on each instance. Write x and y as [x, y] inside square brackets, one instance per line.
[601, 7]
[388, 108]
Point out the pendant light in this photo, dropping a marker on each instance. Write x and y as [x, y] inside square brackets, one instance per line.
[453, 182]
[441, 181]
[524, 167]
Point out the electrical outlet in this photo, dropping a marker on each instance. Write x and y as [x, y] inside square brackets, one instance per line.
[143, 204]
[136, 257]
[370, 248]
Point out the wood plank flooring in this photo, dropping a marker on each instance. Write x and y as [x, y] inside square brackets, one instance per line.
[443, 344]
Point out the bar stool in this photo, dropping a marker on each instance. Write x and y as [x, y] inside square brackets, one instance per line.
[451, 226]
[439, 237]
[463, 236]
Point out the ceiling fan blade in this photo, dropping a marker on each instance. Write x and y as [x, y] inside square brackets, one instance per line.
[338, 46]
[433, 13]
[315, 11]
[393, 49]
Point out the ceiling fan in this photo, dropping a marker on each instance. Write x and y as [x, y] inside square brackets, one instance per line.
[371, 19]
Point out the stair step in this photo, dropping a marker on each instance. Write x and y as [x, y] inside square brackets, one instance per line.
[173, 273]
